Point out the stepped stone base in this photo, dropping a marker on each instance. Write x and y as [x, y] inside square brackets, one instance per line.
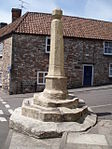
[40, 129]
[42, 117]
[53, 111]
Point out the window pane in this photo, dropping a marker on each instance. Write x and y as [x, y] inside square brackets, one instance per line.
[106, 44]
[106, 50]
[48, 41]
[110, 72]
[40, 80]
[110, 44]
[48, 48]
[110, 69]
[40, 75]
[109, 50]
[108, 47]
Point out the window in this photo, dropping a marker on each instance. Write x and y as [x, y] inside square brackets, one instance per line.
[41, 77]
[0, 78]
[110, 70]
[108, 48]
[1, 48]
[47, 48]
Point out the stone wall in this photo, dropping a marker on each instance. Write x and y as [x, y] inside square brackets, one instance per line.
[7, 50]
[1, 63]
[29, 57]
[84, 51]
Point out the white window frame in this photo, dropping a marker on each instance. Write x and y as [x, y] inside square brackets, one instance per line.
[47, 38]
[1, 78]
[1, 44]
[44, 74]
[110, 69]
[105, 53]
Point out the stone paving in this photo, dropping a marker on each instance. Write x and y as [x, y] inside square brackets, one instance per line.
[99, 137]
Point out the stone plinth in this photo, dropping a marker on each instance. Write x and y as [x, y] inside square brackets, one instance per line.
[53, 111]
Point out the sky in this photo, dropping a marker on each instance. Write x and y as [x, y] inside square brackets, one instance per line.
[95, 9]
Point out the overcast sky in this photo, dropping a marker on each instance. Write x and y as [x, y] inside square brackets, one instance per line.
[96, 9]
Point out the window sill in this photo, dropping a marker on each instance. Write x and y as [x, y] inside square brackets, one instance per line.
[41, 84]
[107, 54]
[47, 52]
[110, 76]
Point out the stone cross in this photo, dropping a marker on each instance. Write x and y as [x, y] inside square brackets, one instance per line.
[56, 84]
[54, 111]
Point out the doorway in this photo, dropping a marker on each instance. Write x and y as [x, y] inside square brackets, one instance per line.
[87, 75]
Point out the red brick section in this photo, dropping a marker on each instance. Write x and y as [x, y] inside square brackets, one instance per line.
[39, 23]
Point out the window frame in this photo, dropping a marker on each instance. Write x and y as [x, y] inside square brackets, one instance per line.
[110, 69]
[46, 49]
[105, 53]
[43, 72]
[1, 53]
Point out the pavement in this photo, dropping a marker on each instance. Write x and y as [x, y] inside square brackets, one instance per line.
[98, 137]
[91, 88]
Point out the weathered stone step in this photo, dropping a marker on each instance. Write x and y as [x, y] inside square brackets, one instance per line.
[40, 129]
[70, 102]
[59, 114]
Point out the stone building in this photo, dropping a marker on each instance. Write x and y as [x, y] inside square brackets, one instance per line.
[1, 48]
[25, 46]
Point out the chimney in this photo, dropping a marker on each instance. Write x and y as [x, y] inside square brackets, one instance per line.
[2, 24]
[16, 13]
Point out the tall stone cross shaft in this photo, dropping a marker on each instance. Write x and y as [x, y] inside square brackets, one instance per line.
[56, 84]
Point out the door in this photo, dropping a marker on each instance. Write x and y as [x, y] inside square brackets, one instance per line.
[87, 75]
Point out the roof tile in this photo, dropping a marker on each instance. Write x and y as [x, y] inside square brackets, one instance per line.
[39, 23]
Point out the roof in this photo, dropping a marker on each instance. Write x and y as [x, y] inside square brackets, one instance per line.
[39, 24]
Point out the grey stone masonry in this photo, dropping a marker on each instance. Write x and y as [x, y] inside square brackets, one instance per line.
[26, 49]
[7, 64]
